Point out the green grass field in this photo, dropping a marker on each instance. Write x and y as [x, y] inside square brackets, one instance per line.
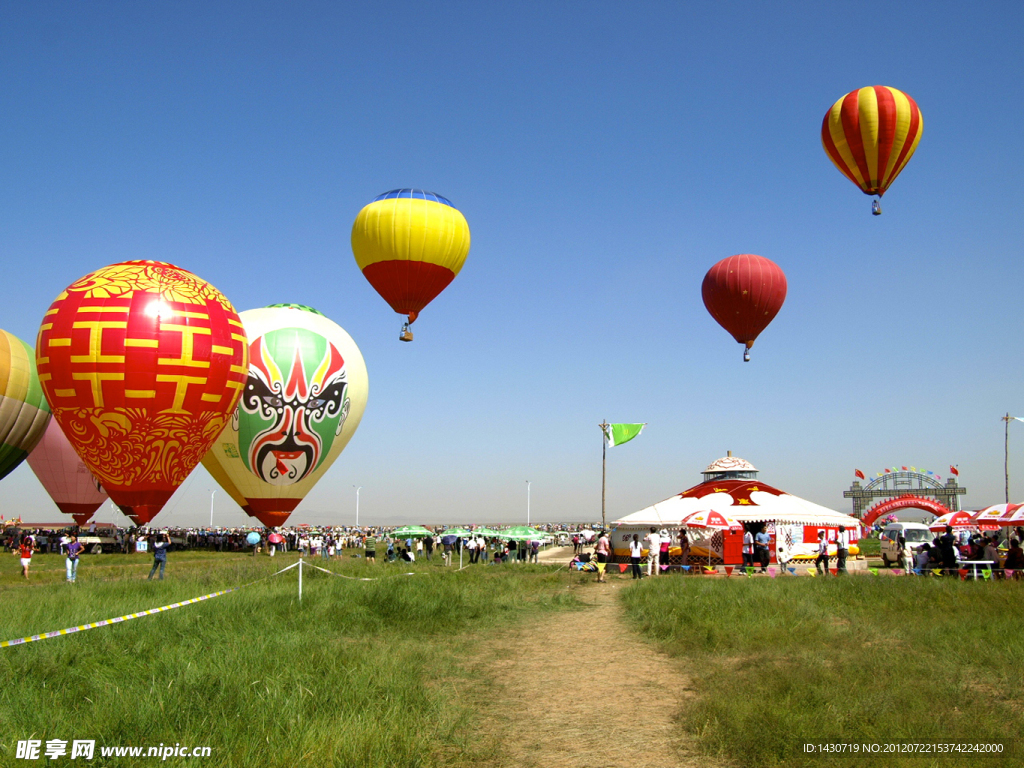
[782, 662]
[359, 674]
[372, 673]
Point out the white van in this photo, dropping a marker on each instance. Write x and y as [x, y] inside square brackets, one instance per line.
[915, 535]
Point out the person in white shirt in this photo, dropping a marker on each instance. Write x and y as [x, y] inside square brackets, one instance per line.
[653, 551]
[842, 549]
[748, 550]
[822, 557]
[471, 546]
[636, 551]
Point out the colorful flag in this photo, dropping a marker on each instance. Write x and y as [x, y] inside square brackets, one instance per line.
[623, 567]
[811, 572]
[858, 473]
[987, 573]
[937, 571]
[874, 571]
[904, 469]
[728, 570]
[617, 434]
[913, 469]
[954, 471]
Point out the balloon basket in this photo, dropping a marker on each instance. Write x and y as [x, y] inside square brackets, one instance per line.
[876, 208]
[406, 334]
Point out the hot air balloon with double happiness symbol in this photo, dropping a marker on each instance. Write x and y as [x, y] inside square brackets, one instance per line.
[142, 363]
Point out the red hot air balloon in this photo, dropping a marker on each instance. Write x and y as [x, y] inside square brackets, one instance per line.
[65, 477]
[744, 293]
[142, 364]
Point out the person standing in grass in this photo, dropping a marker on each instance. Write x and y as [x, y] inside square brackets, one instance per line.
[74, 549]
[842, 549]
[636, 551]
[603, 550]
[25, 547]
[762, 542]
[653, 551]
[428, 546]
[822, 557]
[684, 549]
[370, 544]
[947, 546]
[748, 550]
[160, 545]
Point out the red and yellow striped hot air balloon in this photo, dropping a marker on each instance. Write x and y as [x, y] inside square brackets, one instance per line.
[410, 245]
[870, 134]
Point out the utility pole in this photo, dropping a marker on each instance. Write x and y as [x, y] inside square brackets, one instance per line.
[604, 461]
[1006, 453]
[527, 502]
[357, 504]
[212, 494]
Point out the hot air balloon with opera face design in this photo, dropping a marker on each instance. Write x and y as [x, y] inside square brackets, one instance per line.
[744, 293]
[24, 412]
[870, 134]
[304, 398]
[410, 244]
[65, 477]
[142, 363]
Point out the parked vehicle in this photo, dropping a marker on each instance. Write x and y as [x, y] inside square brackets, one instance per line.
[914, 534]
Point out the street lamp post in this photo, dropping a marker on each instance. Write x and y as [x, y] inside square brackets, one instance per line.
[1006, 452]
[212, 494]
[527, 502]
[357, 503]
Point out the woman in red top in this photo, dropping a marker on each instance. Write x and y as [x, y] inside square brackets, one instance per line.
[25, 550]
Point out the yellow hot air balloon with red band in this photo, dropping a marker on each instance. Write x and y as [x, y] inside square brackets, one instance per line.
[410, 245]
[870, 134]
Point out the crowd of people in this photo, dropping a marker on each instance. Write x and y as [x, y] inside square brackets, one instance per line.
[950, 553]
[316, 542]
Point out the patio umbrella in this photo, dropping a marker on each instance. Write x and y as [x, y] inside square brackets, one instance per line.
[1014, 516]
[521, 533]
[490, 533]
[994, 517]
[460, 532]
[411, 532]
[953, 519]
[710, 520]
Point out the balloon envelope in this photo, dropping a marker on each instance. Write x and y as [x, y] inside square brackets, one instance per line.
[24, 412]
[303, 400]
[410, 244]
[142, 363]
[65, 477]
[744, 293]
[870, 135]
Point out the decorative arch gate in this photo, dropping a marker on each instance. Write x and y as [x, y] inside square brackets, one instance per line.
[901, 490]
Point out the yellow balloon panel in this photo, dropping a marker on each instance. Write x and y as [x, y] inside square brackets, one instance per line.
[410, 229]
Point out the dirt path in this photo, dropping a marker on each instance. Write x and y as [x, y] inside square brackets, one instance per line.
[558, 694]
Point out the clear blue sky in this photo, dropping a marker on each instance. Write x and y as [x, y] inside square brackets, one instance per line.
[605, 156]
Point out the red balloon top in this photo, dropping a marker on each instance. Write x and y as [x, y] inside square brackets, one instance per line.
[744, 293]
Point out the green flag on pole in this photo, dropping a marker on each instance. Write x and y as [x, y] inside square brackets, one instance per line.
[617, 434]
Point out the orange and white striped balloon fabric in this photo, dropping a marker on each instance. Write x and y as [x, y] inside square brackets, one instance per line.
[870, 134]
